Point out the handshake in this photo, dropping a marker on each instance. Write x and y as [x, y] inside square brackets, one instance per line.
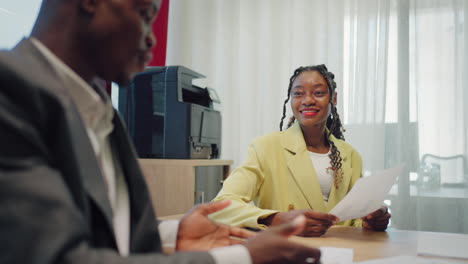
[198, 233]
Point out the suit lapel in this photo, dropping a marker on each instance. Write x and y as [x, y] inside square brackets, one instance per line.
[93, 179]
[91, 174]
[142, 218]
[301, 167]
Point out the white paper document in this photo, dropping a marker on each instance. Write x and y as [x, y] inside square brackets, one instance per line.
[334, 255]
[443, 245]
[404, 260]
[367, 195]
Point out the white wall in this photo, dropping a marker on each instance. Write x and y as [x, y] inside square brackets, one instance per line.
[16, 20]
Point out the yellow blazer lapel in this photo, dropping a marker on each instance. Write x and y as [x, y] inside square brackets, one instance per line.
[301, 168]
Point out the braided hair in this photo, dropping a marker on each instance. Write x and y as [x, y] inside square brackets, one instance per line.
[333, 123]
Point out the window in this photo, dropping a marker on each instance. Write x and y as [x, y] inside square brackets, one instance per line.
[404, 94]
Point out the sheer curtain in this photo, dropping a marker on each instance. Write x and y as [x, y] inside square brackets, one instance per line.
[437, 63]
[401, 74]
[404, 80]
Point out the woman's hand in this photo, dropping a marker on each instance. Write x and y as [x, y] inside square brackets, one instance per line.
[377, 221]
[198, 233]
[316, 223]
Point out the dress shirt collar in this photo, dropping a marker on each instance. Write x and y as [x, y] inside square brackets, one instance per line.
[84, 96]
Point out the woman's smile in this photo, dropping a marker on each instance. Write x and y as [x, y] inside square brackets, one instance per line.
[309, 112]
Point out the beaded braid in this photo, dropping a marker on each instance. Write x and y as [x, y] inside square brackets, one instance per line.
[291, 80]
[335, 157]
[333, 123]
[334, 127]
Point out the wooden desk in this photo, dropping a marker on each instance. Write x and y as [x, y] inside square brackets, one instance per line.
[171, 182]
[171, 217]
[368, 244]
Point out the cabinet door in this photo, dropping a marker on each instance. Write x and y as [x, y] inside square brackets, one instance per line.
[208, 182]
[171, 188]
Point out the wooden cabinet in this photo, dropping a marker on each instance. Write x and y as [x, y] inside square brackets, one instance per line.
[172, 183]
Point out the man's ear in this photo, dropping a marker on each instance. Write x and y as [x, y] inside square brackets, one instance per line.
[89, 6]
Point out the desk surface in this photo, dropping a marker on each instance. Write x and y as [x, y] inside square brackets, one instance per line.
[368, 244]
[171, 217]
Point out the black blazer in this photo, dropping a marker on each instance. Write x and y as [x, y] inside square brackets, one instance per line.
[53, 202]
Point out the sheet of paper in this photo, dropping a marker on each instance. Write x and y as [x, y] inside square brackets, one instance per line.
[334, 255]
[443, 245]
[404, 260]
[367, 195]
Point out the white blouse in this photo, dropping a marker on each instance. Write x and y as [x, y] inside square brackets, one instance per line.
[324, 173]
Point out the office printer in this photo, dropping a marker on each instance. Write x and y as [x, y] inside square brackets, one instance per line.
[169, 117]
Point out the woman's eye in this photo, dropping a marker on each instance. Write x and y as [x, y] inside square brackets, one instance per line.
[319, 93]
[297, 93]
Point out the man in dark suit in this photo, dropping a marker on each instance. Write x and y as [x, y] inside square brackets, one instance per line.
[71, 190]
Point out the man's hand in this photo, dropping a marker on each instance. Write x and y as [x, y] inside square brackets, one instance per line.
[316, 223]
[198, 233]
[377, 221]
[272, 245]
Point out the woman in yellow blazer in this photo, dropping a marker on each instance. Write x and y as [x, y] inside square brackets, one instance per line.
[306, 169]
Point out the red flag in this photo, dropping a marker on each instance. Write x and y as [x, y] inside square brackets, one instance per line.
[160, 32]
